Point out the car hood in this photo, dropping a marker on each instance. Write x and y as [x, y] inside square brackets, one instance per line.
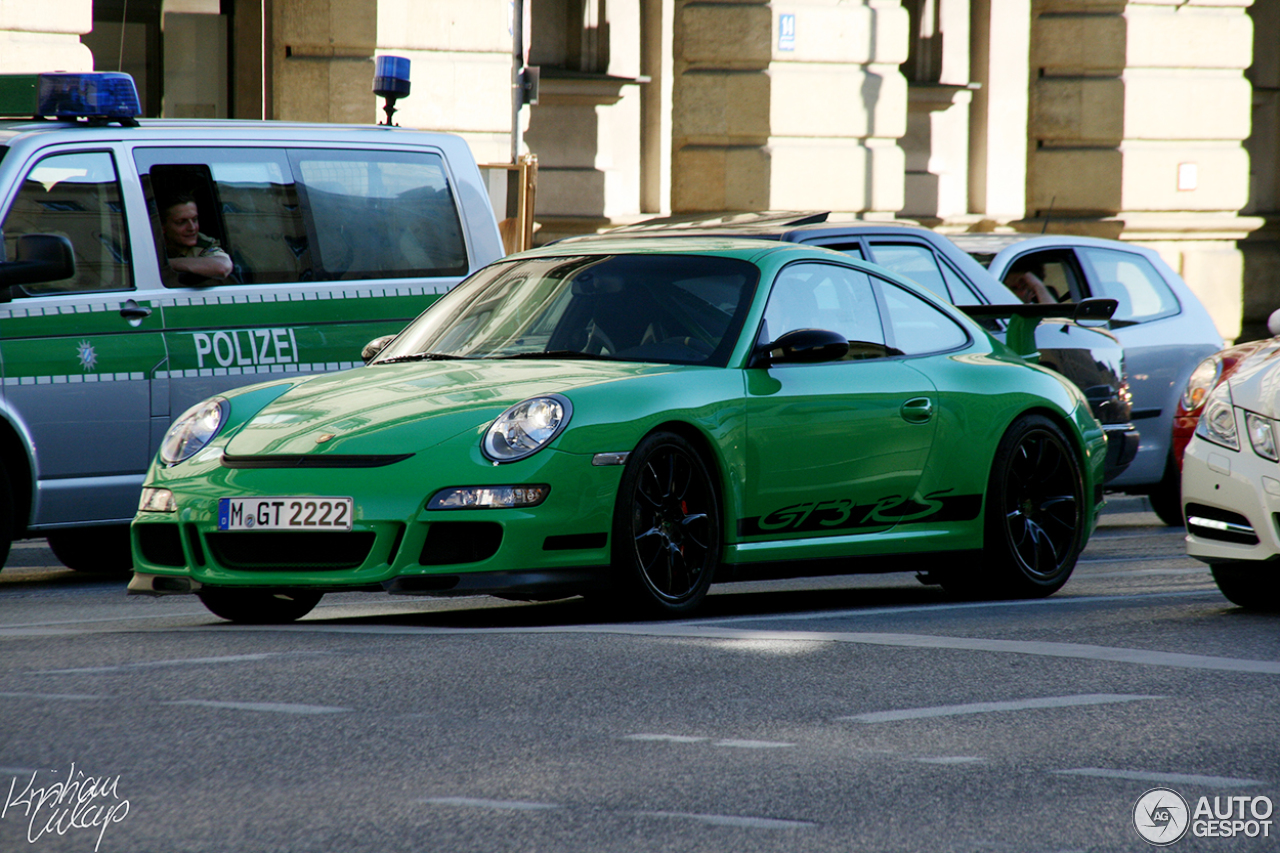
[405, 408]
[1255, 385]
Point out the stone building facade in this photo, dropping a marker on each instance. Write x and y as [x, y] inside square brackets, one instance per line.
[1155, 121]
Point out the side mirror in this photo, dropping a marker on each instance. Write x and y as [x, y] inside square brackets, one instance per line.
[375, 346]
[40, 258]
[804, 346]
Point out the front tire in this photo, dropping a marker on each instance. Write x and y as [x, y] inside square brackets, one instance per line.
[666, 528]
[1034, 515]
[259, 607]
[1253, 588]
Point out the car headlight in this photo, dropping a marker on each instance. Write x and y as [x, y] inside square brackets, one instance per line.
[1261, 436]
[1201, 382]
[1218, 423]
[526, 428]
[195, 428]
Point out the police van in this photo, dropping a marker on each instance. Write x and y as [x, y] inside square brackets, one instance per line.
[148, 264]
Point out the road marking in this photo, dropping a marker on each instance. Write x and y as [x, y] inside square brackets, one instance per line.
[275, 707]
[732, 820]
[667, 738]
[992, 707]
[1060, 601]
[68, 697]
[752, 744]
[497, 805]
[1162, 778]
[952, 759]
[159, 663]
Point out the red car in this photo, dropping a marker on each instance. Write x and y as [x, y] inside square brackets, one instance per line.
[1213, 370]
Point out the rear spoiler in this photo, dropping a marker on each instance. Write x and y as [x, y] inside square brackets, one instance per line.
[1024, 317]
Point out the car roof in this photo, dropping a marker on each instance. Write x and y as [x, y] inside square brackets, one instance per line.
[746, 248]
[766, 225]
[223, 130]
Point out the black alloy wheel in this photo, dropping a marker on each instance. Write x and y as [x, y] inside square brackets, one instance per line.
[1034, 519]
[667, 534]
[1038, 499]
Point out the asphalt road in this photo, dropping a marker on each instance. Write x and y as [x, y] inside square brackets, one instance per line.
[867, 713]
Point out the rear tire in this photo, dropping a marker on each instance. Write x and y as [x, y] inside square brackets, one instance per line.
[93, 549]
[1166, 497]
[259, 607]
[1249, 587]
[1034, 516]
[666, 529]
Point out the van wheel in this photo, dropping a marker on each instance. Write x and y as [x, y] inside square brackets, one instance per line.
[6, 516]
[93, 549]
[259, 606]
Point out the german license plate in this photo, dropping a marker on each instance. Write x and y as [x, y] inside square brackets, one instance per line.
[285, 513]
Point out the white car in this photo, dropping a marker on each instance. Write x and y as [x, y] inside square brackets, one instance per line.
[1231, 485]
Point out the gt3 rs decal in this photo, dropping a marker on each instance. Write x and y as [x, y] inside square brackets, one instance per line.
[843, 514]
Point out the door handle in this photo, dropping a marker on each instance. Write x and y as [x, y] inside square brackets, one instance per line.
[917, 410]
[131, 310]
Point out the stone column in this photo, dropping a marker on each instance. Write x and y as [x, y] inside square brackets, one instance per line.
[1139, 111]
[460, 69]
[788, 105]
[45, 36]
[321, 62]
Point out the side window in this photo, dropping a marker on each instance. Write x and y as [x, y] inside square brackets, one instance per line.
[380, 214]
[247, 206]
[1056, 270]
[916, 327]
[914, 261]
[76, 196]
[826, 296]
[1131, 280]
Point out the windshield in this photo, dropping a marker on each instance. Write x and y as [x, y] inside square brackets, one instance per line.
[673, 309]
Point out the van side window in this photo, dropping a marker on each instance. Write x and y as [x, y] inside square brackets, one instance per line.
[76, 196]
[290, 215]
[247, 202]
[380, 214]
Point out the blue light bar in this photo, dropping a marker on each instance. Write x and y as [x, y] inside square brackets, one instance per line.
[93, 95]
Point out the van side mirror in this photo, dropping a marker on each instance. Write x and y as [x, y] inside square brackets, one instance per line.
[40, 258]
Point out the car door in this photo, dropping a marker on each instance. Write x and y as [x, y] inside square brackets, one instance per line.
[834, 449]
[81, 354]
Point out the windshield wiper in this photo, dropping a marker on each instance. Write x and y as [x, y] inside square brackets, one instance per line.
[555, 353]
[423, 356]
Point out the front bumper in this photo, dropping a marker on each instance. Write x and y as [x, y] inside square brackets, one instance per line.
[1231, 501]
[396, 544]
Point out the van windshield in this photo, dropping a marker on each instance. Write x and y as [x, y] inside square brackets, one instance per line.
[650, 308]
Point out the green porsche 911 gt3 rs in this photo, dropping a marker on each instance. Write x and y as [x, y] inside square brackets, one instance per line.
[632, 422]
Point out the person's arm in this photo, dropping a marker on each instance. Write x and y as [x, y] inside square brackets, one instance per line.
[215, 264]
